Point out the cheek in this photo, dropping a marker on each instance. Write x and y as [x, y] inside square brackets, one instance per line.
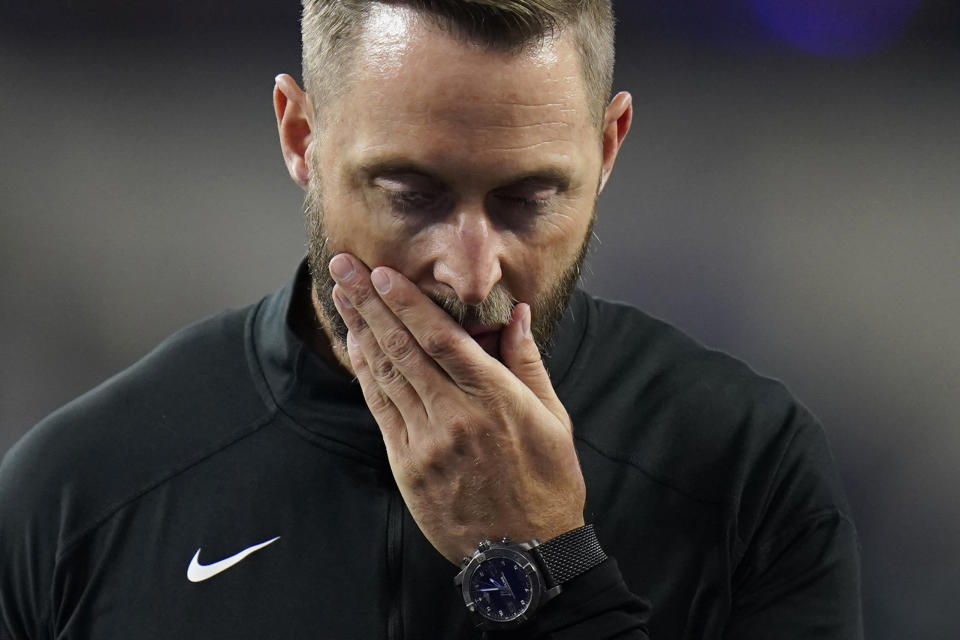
[537, 261]
[374, 244]
[359, 227]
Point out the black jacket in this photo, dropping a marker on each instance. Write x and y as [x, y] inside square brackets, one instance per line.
[712, 489]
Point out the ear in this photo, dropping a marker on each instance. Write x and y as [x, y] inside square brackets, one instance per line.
[294, 123]
[616, 124]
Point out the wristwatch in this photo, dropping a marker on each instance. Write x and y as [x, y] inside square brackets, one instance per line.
[504, 583]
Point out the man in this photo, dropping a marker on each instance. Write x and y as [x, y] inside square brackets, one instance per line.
[416, 437]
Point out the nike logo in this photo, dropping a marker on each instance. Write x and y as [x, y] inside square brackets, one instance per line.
[197, 572]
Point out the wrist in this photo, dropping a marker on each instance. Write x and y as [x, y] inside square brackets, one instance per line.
[503, 583]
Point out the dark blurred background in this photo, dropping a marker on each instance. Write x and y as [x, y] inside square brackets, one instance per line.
[790, 193]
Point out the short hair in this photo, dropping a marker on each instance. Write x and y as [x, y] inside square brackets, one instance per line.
[330, 30]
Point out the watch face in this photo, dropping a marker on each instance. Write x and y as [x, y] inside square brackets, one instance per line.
[501, 589]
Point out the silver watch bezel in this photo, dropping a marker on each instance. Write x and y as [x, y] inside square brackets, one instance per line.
[518, 553]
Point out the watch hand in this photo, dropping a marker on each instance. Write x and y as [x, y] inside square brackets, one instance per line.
[506, 586]
[489, 589]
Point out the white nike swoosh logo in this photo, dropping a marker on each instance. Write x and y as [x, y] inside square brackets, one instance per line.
[197, 572]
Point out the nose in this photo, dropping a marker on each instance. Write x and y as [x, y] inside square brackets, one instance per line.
[469, 260]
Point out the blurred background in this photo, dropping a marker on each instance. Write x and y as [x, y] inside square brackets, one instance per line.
[790, 193]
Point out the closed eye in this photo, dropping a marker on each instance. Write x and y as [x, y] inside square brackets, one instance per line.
[526, 196]
[526, 203]
[411, 198]
[410, 193]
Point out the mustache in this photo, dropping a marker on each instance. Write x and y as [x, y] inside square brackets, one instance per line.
[495, 310]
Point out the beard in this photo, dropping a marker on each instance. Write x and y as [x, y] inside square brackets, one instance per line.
[546, 310]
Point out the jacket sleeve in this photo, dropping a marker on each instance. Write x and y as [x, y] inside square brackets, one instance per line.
[799, 574]
[596, 605]
[803, 584]
[26, 553]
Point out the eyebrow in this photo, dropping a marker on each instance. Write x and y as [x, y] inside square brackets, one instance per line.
[553, 176]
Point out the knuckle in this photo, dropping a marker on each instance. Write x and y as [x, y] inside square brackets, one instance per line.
[414, 475]
[508, 406]
[461, 436]
[457, 428]
[397, 344]
[441, 344]
[355, 322]
[401, 302]
[380, 402]
[361, 296]
[358, 361]
[477, 381]
[434, 458]
[440, 403]
[376, 401]
[450, 449]
[385, 372]
[460, 433]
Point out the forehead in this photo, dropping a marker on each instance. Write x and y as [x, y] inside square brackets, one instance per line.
[399, 43]
[413, 82]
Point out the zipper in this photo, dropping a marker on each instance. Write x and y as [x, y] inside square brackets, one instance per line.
[395, 565]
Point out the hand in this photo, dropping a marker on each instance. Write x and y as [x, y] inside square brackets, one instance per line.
[479, 449]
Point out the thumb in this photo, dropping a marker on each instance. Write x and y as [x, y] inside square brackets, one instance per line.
[521, 356]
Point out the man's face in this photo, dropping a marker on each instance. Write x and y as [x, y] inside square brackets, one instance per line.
[474, 173]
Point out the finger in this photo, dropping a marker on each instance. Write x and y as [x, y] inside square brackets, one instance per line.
[391, 423]
[522, 357]
[442, 340]
[379, 367]
[392, 338]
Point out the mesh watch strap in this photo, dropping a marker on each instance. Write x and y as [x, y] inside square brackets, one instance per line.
[569, 554]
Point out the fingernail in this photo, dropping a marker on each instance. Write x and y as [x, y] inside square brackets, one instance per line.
[380, 280]
[341, 268]
[526, 322]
